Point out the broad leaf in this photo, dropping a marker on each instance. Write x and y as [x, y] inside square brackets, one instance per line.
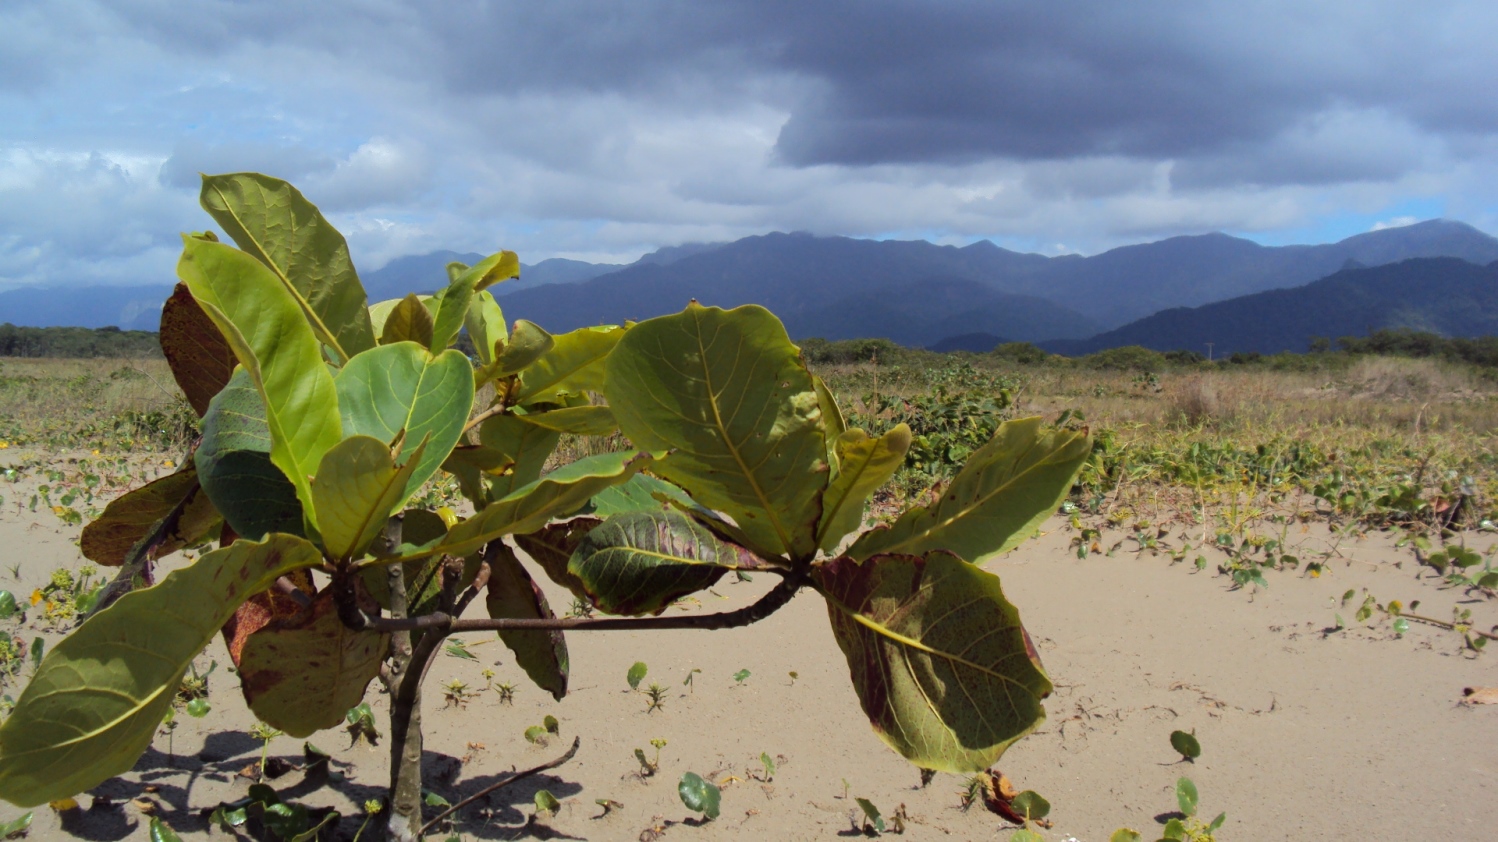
[485, 322]
[269, 219]
[95, 702]
[640, 562]
[512, 594]
[1007, 489]
[728, 394]
[573, 365]
[833, 425]
[475, 466]
[408, 320]
[699, 795]
[234, 466]
[130, 517]
[939, 660]
[200, 357]
[452, 310]
[526, 446]
[400, 387]
[552, 547]
[265, 327]
[864, 465]
[577, 420]
[558, 494]
[527, 343]
[301, 674]
[356, 490]
[641, 493]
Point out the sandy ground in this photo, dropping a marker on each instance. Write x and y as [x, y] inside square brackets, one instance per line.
[1308, 732]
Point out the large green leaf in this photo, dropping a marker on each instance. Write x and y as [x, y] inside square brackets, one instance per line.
[302, 673]
[512, 594]
[266, 328]
[1005, 491]
[577, 420]
[235, 469]
[640, 562]
[96, 700]
[452, 309]
[485, 322]
[640, 493]
[728, 394]
[864, 465]
[272, 221]
[573, 364]
[552, 547]
[200, 357]
[558, 494]
[356, 490]
[526, 446]
[130, 517]
[401, 387]
[941, 664]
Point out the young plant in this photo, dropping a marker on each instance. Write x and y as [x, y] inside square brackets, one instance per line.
[655, 695]
[688, 681]
[264, 733]
[700, 796]
[636, 674]
[1189, 828]
[323, 418]
[740, 676]
[1186, 745]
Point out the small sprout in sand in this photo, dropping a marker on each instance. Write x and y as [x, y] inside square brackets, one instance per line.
[699, 795]
[769, 764]
[636, 674]
[656, 695]
[1189, 828]
[1186, 744]
[264, 733]
[873, 822]
[536, 734]
[688, 682]
[456, 693]
[551, 725]
[793, 676]
[650, 767]
[609, 805]
[361, 724]
[506, 693]
[488, 676]
[739, 676]
[546, 803]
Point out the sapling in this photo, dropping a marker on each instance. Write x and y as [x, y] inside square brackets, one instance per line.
[264, 733]
[1186, 744]
[688, 682]
[636, 674]
[738, 677]
[324, 417]
[701, 796]
[655, 695]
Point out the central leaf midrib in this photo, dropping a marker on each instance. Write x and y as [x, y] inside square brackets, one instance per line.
[712, 399]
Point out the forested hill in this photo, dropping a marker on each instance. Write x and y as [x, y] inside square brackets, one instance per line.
[1441, 295]
[76, 342]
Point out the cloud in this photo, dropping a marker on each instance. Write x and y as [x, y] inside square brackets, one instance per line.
[590, 128]
[1396, 222]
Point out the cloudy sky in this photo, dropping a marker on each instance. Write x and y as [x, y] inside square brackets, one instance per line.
[600, 131]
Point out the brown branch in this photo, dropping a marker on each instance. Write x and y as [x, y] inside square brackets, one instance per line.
[503, 782]
[768, 604]
[144, 552]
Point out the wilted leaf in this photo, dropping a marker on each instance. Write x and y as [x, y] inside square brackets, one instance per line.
[302, 674]
[131, 516]
[864, 465]
[94, 704]
[200, 358]
[699, 795]
[728, 394]
[264, 325]
[271, 220]
[640, 562]
[400, 387]
[939, 659]
[1007, 488]
[234, 466]
[512, 594]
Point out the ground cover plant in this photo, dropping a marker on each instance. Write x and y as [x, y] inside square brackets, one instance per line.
[323, 419]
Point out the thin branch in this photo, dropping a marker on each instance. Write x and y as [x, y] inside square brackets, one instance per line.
[144, 552]
[768, 604]
[503, 782]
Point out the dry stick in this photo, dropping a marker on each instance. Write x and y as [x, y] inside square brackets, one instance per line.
[503, 782]
[1445, 625]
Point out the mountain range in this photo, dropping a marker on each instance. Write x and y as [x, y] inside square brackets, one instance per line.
[917, 293]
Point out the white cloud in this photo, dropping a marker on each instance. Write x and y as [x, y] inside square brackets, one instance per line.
[1396, 222]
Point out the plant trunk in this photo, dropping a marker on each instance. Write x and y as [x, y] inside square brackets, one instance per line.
[403, 682]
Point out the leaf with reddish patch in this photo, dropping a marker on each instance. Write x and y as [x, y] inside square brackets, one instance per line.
[301, 674]
[512, 594]
[200, 357]
[131, 517]
[640, 562]
[258, 611]
[552, 546]
[939, 659]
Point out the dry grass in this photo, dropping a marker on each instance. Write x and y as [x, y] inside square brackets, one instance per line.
[57, 403]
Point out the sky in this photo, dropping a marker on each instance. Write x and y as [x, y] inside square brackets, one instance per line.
[601, 131]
